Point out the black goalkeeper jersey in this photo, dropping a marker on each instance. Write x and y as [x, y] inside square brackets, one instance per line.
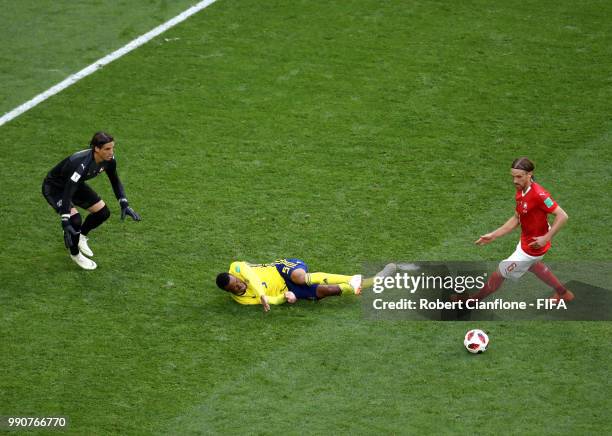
[67, 175]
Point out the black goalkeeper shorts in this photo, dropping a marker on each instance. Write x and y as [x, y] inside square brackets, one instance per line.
[84, 197]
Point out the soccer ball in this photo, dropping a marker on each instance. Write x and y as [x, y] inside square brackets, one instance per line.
[476, 341]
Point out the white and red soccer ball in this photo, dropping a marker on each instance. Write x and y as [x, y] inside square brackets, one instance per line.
[476, 341]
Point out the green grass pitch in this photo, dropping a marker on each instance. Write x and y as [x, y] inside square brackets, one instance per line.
[340, 132]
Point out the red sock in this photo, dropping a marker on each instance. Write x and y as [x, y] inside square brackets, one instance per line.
[492, 285]
[547, 276]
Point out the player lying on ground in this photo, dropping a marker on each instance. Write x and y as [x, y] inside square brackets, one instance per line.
[64, 187]
[533, 204]
[285, 280]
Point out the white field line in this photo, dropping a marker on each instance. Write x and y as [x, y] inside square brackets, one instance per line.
[104, 61]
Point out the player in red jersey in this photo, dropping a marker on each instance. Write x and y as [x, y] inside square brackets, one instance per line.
[533, 204]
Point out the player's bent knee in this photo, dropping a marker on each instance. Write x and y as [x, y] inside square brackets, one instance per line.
[76, 220]
[97, 207]
[104, 213]
[298, 277]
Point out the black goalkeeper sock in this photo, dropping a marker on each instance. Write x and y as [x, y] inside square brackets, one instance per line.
[75, 221]
[93, 220]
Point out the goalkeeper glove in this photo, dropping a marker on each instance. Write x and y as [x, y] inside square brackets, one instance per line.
[69, 231]
[127, 210]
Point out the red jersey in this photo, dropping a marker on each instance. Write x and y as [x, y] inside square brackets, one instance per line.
[532, 208]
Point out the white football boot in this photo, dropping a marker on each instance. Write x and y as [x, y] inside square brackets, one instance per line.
[83, 247]
[83, 262]
[355, 283]
[389, 270]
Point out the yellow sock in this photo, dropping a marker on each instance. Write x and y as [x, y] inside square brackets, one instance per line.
[346, 289]
[321, 278]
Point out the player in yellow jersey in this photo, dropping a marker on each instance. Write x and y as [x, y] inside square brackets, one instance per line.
[285, 280]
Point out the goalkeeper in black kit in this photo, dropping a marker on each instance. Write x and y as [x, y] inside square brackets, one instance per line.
[65, 187]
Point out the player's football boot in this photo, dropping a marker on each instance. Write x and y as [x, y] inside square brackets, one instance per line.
[387, 271]
[355, 283]
[566, 296]
[83, 262]
[84, 247]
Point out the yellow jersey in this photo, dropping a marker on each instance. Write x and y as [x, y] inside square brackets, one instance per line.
[261, 279]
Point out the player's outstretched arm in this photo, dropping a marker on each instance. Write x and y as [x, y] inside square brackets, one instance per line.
[126, 210]
[512, 223]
